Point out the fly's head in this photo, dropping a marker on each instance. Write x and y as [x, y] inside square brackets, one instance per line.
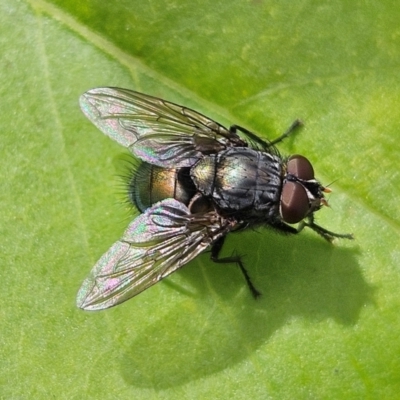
[302, 194]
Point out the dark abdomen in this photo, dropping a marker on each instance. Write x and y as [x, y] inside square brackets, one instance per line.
[151, 184]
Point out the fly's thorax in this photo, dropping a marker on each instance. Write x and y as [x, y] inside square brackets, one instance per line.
[239, 178]
[152, 183]
[203, 174]
[301, 194]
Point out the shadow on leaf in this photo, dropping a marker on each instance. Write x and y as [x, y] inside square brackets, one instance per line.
[300, 277]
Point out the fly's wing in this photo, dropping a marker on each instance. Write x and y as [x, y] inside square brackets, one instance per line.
[155, 130]
[156, 243]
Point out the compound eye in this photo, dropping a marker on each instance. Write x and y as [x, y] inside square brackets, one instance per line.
[294, 202]
[300, 167]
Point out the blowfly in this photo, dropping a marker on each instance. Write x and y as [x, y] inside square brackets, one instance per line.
[197, 182]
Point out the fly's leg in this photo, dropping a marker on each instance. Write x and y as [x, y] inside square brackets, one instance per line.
[266, 144]
[216, 248]
[327, 235]
[250, 136]
[295, 125]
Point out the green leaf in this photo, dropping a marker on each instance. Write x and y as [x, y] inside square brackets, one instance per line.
[327, 325]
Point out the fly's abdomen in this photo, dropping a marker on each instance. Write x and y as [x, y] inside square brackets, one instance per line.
[151, 184]
[239, 179]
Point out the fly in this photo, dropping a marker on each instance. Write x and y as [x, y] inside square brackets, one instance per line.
[197, 182]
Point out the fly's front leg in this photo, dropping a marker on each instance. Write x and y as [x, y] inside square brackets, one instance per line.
[215, 250]
[327, 235]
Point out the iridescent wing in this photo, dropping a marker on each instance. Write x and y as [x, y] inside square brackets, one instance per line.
[155, 130]
[158, 242]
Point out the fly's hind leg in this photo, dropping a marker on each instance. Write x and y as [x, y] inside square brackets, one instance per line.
[215, 250]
